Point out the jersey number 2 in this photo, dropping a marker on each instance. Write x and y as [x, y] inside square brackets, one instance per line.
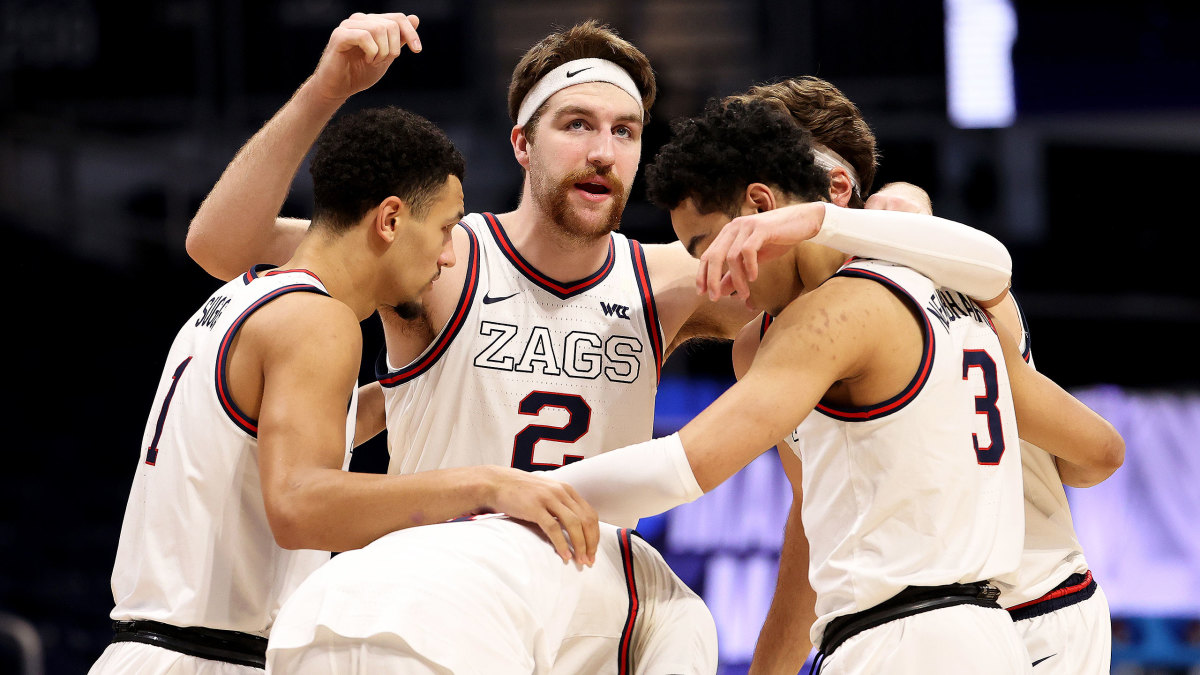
[152, 451]
[578, 422]
[986, 405]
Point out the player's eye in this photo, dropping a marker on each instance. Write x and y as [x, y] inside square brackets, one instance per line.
[576, 124]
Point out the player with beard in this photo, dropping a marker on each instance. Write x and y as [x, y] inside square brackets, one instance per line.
[550, 318]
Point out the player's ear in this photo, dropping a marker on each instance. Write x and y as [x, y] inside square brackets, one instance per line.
[389, 217]
[840, 187]
[520, 144]
[758, 198]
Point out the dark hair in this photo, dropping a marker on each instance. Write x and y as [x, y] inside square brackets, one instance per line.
[589, 39]
[713, 157]
[832, 119]
[365, 157]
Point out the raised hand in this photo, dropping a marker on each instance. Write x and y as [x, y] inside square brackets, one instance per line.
[554, 507]
[360, 50]
[731, 262]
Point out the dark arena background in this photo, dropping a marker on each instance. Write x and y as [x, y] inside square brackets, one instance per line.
[1070, 130]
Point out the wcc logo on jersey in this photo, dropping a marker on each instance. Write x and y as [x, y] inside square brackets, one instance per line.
[613, 309]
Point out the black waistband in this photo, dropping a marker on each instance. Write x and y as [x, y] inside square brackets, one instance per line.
[228, 646]
[910, 601]
[1073, 590]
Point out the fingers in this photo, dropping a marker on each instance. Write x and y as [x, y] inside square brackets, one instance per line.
[381, 37]
[554, 533]
[406, 25]
[569, 522]
[589, 524]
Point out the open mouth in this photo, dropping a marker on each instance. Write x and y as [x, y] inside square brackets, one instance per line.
[593, 188]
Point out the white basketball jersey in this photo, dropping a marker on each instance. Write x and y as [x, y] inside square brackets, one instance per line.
[195, 547]
[529, 372]
[1052, 551]
[923, 489]
[488, 594]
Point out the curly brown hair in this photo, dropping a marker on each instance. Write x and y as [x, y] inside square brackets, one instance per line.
[712, 157]
[832, 119]
[589, 39]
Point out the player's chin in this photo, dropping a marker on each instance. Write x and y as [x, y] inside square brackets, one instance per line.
[409, 309]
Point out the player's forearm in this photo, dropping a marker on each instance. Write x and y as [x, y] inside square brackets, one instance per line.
[334, 510]
[633, 482]
[784, 642]
[235, 226]
[949, 253]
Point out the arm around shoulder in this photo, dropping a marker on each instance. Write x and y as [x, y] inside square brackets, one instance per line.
[1086, 447]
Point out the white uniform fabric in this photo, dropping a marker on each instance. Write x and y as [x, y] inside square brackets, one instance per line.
[543, 372]
[969, 639]
[1071, 640]
[122, 658]
[1075, 639]
[489, 595]
[195, 547]
[923, 489]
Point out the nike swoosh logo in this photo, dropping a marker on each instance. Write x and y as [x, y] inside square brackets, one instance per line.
[570, 74]
[487, 299]
[1044, 658]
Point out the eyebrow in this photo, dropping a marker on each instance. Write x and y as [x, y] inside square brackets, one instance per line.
[693, 244]
[580, 110]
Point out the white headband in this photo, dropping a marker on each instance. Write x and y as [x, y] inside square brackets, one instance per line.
[572, 73]
[828, 159]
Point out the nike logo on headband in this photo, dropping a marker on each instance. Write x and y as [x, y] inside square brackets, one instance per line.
[570, 74]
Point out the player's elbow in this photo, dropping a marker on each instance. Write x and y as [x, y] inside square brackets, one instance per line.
[291, 524]
[201, 249]
[1107, 455]
[1112, 455]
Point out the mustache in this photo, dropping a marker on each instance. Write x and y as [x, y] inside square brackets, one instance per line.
[615, 184]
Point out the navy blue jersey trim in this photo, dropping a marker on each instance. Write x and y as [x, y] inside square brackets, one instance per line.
[558, 289]
[764, 325]
[1026, 349]
[451, 330]
[1073, 590]
[649, 306]
[625, 650]
[914, 386]
[236, 414]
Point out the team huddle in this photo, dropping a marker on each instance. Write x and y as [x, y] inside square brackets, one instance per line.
[876, 344]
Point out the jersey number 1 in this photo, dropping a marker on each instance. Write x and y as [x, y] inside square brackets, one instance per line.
[986, 405]
[578, 423]
[152, 451]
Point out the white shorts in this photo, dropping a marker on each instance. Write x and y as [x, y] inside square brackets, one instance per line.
[122, 658]
[1071, 640]
[332, 654]
[959, 639]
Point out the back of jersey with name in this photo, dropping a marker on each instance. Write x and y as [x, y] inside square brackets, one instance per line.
[195, 547]
[529, 372]
[923, 489]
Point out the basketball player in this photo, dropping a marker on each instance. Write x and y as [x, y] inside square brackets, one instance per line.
[552, 327]
[911, 488]
[487, 595]
[239, 492]
[1059, 609]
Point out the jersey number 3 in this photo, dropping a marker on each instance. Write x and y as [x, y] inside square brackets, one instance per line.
[986, 405]
[578, 422]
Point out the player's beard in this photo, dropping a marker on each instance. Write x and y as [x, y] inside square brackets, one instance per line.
[555, 201]
[410, 310]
